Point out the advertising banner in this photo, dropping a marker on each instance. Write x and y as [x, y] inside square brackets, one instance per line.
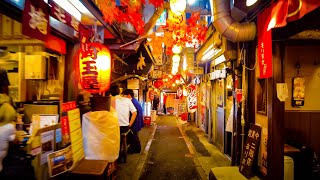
[264, 44]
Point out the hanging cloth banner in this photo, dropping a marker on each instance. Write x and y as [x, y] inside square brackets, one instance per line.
[264, 44]
[35, 19]
[63, 16]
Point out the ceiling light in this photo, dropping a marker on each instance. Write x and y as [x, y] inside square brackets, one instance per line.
[178, 6]
[191, 1]
[175, 58]
[176, 49]
[251, 2]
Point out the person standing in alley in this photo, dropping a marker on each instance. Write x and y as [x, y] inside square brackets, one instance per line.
[8, 116]
[124, 107]
[135, 146]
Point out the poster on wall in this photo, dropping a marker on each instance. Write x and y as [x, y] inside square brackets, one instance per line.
[298, 91]
[60, 161]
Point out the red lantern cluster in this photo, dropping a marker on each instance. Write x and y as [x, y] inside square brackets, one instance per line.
[167, 81]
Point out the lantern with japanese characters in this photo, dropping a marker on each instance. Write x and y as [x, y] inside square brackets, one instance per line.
[95, 67]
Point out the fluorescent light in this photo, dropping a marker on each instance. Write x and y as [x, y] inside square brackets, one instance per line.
[251, 2]
[191, 1]
[207, 55]
[68, 7]
[219, 60]
[80, 7]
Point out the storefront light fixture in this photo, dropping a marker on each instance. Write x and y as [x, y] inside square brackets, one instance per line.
[178, 6]
[251, 2]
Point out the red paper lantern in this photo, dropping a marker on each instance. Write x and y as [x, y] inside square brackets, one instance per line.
[158, 83]
[95, 67]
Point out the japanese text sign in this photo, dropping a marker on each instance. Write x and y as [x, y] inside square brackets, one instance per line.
[192, 98]
[95, 67]
[63, 16]
[264, 44]
[249, 150]
[35, 22]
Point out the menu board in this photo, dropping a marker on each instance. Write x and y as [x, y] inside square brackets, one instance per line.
[250, 150]
[75, 134]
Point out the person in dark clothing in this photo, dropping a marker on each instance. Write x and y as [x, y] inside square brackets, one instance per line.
[155, 102]
[135, 145]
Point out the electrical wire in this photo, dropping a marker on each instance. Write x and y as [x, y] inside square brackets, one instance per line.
[243, 57]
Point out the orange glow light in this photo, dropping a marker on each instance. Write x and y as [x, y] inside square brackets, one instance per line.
[95, 70]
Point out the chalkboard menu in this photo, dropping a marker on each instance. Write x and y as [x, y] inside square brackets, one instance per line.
[250, 150]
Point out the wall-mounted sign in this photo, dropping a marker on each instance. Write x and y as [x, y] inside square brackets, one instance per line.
[63, 16]
[250, 150]
[35, 19]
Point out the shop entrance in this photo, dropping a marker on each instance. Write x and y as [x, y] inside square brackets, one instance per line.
[220, 123]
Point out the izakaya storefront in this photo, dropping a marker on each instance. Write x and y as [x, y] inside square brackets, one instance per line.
[38, 45]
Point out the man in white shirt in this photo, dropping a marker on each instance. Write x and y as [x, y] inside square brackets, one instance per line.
[124, 107]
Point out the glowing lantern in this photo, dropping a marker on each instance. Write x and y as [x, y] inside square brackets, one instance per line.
[175, 58]
[95, 68]
[176, 49]
[178, 6]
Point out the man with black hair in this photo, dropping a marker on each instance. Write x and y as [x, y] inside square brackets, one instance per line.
[123, 106]
[135, 145]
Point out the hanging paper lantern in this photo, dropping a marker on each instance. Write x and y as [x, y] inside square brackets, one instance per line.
[95, 68]
[175, 58]
[176, 49]
[158, 83]
[178, 6]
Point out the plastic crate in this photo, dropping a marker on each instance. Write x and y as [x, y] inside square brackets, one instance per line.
[147, 120]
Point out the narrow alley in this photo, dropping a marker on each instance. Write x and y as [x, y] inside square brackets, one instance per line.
[172, 150]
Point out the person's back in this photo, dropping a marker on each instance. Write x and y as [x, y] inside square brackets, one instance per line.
[7, 129]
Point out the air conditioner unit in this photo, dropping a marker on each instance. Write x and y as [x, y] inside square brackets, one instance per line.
[35, 67]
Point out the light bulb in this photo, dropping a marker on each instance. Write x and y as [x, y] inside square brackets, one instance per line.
[250, 2]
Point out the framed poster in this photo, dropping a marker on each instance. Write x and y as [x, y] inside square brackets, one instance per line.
[298, 91]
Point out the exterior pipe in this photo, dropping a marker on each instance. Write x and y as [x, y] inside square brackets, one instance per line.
[228, 27]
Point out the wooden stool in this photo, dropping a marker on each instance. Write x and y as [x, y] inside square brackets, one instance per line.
[90, 169]
[124, 146]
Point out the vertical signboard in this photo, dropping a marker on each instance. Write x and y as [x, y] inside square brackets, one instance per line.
[264, 44]
[250, 150]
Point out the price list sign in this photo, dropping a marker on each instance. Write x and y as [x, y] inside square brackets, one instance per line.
[250, 150]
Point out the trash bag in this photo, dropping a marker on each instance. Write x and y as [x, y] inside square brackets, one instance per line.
[101, 135]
